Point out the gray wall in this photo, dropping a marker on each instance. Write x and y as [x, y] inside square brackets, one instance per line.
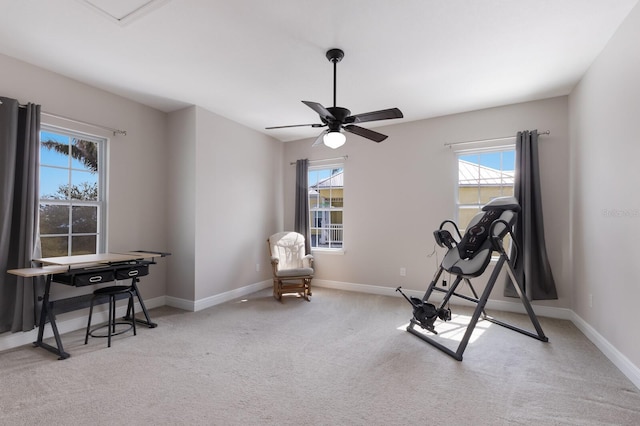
[399, 191]
[180, 203]
[211, 191]
[225, 199]
[605, 149]
[136, 214]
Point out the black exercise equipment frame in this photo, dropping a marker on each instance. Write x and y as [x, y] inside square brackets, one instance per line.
[481, 301]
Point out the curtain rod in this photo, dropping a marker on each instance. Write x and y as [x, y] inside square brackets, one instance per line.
[450, 144]
[344, 157]
[97, 126]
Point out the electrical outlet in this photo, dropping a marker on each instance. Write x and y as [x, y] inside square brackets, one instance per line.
[590, 300]
[403, 272]
[257, 267]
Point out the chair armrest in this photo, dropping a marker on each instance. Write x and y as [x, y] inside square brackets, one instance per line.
[307, 261]
[274, 264]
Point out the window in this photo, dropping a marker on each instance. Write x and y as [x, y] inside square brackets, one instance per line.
[71, 212]
[482, 176]
[326, 203]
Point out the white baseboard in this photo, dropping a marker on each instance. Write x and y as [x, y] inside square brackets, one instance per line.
[14, 340]
[208, 302]
[618, 359]
[498, 305]
[631, 371]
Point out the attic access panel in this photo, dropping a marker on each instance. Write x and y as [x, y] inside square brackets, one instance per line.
[124, 11]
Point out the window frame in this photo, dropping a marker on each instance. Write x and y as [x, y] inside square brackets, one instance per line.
[101, 179]
[313, 211]
[494, 147]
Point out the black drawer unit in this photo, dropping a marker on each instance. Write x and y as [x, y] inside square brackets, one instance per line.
[103, 274]
[132, 271]
[84, 277]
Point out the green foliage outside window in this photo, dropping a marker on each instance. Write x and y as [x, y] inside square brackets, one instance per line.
[69, 195]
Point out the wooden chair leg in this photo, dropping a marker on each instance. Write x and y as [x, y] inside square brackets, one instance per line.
[277, 289]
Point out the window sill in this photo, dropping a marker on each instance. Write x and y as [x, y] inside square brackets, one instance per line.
[334, 252]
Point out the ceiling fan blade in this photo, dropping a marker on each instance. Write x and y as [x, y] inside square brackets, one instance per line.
[366, 133]
[296, 125]
[322, 111]
[384, 114]
[319, 140]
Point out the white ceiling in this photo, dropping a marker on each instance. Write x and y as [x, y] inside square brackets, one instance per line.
[253, 61]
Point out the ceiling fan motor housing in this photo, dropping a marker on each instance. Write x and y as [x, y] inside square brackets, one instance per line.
[335, 55]
[337, 118]
[340, 115]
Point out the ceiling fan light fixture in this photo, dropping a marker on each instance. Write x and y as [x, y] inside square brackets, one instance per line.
[338, 118]
[334, 139]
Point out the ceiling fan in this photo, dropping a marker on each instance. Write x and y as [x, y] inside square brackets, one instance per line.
[337, 118]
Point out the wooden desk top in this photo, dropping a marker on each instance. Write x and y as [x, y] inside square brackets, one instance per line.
[54, 265]
[84, 258]
[36, 272]
[95, 258]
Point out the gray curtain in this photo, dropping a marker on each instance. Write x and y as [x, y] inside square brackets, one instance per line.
[19, 242]
[531, 264]
[301, 224]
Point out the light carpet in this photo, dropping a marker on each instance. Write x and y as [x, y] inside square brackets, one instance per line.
[342, 359]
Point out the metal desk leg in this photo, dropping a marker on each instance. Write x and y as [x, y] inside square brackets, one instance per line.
[46, 312]
[147, 321]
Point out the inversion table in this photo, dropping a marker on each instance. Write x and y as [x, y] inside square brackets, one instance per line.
[468, 257]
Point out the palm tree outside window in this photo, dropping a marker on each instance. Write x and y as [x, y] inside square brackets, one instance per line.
[71, 209]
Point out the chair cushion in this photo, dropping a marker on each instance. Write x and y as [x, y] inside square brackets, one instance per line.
[289, 249]
[503, 203]
[477, 234]
[296, 272]
[469, 259]
[469, 268]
